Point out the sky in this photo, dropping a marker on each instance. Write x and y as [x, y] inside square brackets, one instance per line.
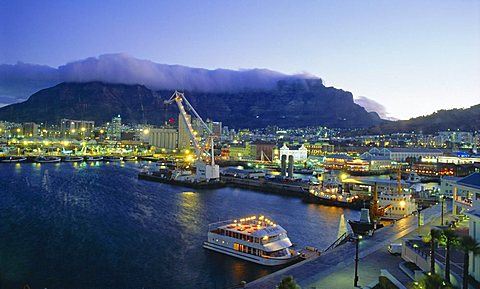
[412, 57]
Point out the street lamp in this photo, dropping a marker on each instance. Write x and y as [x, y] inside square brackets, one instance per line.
[355, 279]
[443, 201]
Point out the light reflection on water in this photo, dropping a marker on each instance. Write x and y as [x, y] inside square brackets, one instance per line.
[95, 225]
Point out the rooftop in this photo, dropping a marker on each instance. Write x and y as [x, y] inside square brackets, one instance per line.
[472, 180]
[255, 226]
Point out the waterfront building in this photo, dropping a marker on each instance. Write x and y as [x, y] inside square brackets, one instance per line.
[337, 161]
[164, 137]
[299, 153]
[472, 184]
[401, 154]
[263, 150]
[377, 163]
[183, 134]
[30, 129]
[357, 165]
[242, 151]
[318, 148]
[76, 127]
[447, 185]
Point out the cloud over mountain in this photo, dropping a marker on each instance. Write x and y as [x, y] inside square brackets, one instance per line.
[371, 105]
[21, 80]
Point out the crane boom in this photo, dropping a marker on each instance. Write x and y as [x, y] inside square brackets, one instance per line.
[204, 171]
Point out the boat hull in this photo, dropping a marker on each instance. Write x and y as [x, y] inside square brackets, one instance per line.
[248, 257]
[360, 228]
[196, 185]
[355, 205]
[13, 160]
[48, 160]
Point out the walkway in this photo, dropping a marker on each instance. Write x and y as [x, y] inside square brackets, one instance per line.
[334, 269]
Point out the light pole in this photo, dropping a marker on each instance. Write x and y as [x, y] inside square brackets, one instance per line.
[443, 201]
[355, 279]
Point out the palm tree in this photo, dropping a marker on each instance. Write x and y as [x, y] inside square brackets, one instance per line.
[288, 283]
[450, 238]
[431, 281]
[467, 244]
[434, 236]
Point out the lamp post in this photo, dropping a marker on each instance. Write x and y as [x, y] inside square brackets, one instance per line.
[355, 279]
[443, 201]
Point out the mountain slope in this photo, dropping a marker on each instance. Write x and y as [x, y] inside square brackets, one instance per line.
[462, 119]
[19, 81]
[292, 103]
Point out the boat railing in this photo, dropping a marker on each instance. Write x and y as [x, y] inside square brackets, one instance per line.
[213, 226]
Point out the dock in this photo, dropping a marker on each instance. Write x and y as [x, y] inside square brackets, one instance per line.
[310, 273]
[290, 188]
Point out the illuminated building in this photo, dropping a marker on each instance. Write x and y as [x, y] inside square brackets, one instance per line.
[471, 184]
[299, 153]
[114, 129]
[164, 137]
[76, 127]
[401, 154]
[30, 129]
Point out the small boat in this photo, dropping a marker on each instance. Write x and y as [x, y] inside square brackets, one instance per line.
[364, 226]
[330, 193]
[112, 158]
[13, 159]
[48, 159]
[413, 178]
[254, 239]
[73, 159]
[129, 158]
[93, 159]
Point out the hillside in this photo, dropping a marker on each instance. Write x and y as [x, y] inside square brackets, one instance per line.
[462, 119]
[292, 103]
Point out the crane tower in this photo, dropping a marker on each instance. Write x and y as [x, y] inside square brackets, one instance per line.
[205, 161]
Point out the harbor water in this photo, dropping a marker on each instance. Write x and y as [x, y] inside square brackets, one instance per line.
[95, 225]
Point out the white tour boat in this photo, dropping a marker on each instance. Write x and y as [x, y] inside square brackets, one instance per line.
[253, 239]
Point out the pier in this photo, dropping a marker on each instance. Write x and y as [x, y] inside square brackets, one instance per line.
[331, 269]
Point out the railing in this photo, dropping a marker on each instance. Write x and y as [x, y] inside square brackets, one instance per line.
[338, 241]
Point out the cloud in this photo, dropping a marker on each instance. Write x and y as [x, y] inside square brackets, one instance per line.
[21, 80]
[371, 105]
[122, 68]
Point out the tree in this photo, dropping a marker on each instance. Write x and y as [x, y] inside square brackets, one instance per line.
[450, 238]
[288, 283]
[435, 235]
[467, 244]
[431, 281]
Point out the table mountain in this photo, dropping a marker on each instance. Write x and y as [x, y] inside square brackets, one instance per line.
[291, 103]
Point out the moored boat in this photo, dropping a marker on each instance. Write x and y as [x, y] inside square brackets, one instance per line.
[257, 240]
[129, 158]
[73, 159]
[112, 158]
[93, 158]
[13, 159]
[47, 159]
[331, 193]
[364, 226]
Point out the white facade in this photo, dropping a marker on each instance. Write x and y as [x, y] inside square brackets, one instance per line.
[299, 154]
[472, 184]
[401, 154]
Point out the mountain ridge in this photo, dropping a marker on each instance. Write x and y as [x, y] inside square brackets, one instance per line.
[292, 103]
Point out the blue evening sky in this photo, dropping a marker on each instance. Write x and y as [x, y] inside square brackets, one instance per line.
[414, 57]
